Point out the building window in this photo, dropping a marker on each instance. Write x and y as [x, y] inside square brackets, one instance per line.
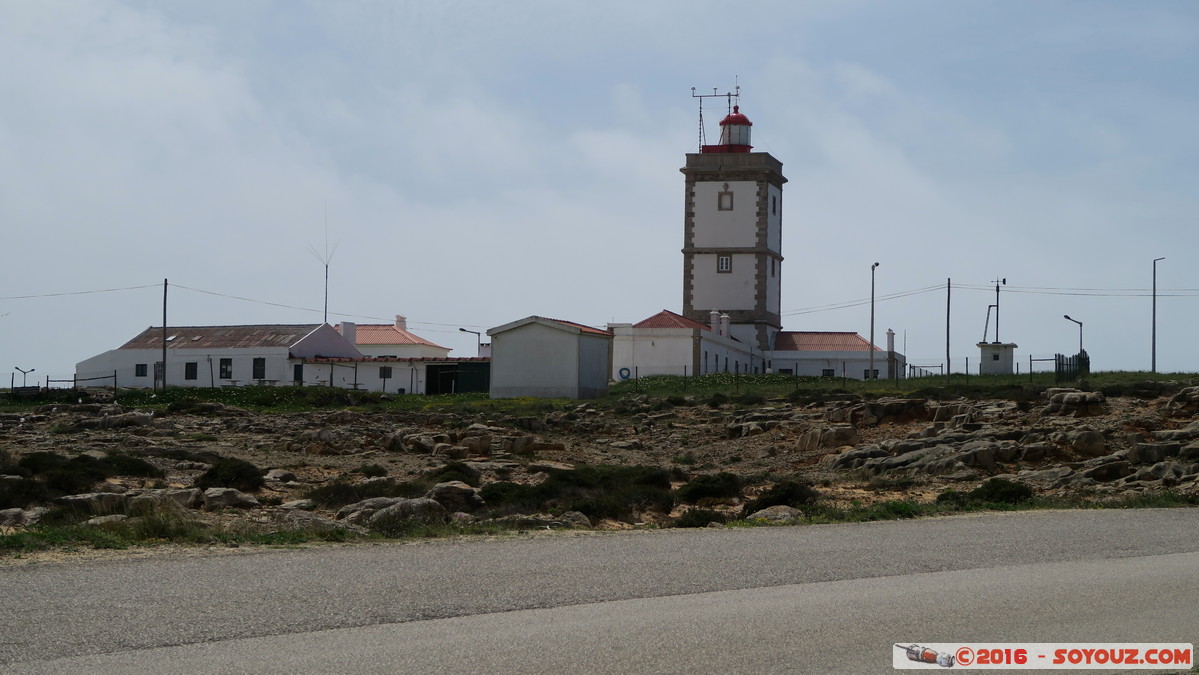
[141, 370]
[994, 357]
[724, 200]
[772, 267]
[259, 369]
[774, 205]
[866, 374]
[226, 369]
[828, 372]
[385, 372]
[724, 263]
[191, 370]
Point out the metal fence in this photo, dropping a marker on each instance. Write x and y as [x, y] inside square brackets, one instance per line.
[1071, 368]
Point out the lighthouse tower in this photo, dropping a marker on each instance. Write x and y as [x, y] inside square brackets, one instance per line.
[732, 234]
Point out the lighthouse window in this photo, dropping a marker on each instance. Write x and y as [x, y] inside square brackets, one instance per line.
[774, 205]
[725, 201]
[724, 263]
[772, 267]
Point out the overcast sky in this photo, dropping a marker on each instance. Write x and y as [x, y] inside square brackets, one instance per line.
[483, 161]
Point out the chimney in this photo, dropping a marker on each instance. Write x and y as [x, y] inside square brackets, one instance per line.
[724, 324]
[349, 331]
[890, 340]
[401, 322]
[714, 321]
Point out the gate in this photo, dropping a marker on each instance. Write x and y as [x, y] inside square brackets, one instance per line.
[1071, 368]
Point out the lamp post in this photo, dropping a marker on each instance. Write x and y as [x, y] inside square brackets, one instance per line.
[1067, 318]
[24, 374]
[1153, 358]
[870, 372]
[478, 340]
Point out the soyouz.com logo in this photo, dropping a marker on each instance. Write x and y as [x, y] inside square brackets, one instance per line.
[1043, 656]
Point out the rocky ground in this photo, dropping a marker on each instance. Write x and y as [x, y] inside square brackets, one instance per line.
[853, 451]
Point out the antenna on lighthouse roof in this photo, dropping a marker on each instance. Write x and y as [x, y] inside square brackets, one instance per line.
[729, 96]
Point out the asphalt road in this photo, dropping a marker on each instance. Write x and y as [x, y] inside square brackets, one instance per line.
[822, 599]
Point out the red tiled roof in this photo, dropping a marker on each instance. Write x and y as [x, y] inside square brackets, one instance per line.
[668, 319]
[387, 334]
[805, 341]
[585, 329]
[394, 359]
[222, 337]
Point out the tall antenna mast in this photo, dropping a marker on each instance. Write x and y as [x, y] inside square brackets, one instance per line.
[729, 97]
[324, 260]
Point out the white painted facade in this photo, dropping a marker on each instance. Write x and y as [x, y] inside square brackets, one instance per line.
[849, 364]
[639, 352]
[996, 358]
[545, 358]
[191, 364]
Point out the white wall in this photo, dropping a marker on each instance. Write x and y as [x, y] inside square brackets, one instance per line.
[534, 360]
[652, 351]
[404, 375]
[595, 362]
[716, 228]
[124, 361]
[734, 289]
[774, 219]
[405, 351]
[855, 363]
[324, 341]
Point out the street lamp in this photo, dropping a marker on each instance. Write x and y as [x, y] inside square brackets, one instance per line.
[478, 340]
[870, 372]
[1153, 361]
[1067, 318]
[24, 374]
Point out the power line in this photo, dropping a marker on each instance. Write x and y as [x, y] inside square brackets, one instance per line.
[99, 290]
[1035, 290]
[309, 309]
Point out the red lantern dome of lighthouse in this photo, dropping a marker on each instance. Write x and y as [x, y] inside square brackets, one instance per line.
[734, 134]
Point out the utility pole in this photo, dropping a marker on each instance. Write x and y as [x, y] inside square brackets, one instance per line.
[870, 371]
[997, 282]
[1153, 361]
[164, 335]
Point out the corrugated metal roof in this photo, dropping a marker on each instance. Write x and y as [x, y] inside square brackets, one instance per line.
[394, 359]
[585, 329]
[222, 337]
[802, 341]
[668, 319]
[387, 334]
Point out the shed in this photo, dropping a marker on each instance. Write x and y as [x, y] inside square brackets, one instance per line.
[549, 358]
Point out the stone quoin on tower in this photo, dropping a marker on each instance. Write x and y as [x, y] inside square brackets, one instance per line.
[732, 233]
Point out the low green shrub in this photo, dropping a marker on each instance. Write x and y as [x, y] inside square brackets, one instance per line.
[371, 470]
[338, 494]
[1001, 491]
[456, 471]
[125, 465]
[231, 472]
[783, 493]
[20, 492]
[721, 485]
[616, 492]
[698, 518]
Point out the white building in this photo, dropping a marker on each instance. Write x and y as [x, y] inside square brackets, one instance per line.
[732, 234]
[303, 355]
[835, 354]
[732, 280]
[670, 344]
[217, 356]
[390, 340]
[549, 358]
